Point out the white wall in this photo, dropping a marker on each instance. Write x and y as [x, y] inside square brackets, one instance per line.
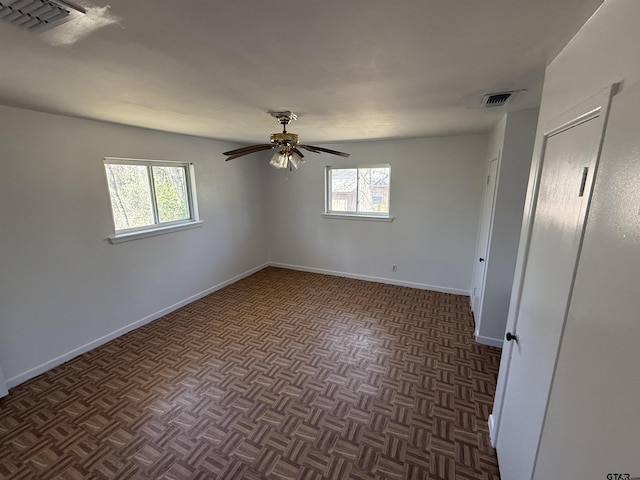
[517, 133]
[66, 289]
[63, 287]
[602, 53]
[436, 194]
[496, 139]
[596, 385]
[494, 151]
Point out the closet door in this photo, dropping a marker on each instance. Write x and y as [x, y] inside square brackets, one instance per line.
[570, 153]
[592, 429]
[488, 205]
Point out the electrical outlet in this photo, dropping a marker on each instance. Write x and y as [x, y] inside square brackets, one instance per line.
[394, 268]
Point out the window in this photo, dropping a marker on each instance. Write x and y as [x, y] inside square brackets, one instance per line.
[361, 191]
[150, 196]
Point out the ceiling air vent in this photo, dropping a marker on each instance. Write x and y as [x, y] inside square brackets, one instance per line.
[497, 99]
[38, 15]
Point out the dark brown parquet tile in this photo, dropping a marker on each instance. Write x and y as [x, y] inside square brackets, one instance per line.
[283, 375]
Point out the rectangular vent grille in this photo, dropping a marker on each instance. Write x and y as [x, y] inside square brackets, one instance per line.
[496, 99]
[37, 15]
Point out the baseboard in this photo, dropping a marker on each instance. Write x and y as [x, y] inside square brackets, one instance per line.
[492, 342]
[492, 430]
[390, 281]
[35, 371]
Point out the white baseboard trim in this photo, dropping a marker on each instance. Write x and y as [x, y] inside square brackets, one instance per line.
[492, 430]
[35, 371]
[390, 281]
[492, 342]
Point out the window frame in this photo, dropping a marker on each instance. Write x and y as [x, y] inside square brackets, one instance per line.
[157, 228]
[329, 213]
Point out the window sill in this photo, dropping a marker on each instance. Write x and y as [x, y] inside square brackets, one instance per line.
[126, 237]
[370, 218]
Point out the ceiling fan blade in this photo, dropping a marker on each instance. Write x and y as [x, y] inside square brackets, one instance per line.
[298, 152]
[315, 149]
[310, 148]
[250, 148]
[237, 155]
[248, 152]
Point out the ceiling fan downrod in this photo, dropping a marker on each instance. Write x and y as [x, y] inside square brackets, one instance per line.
[284, 118]
[285, 140]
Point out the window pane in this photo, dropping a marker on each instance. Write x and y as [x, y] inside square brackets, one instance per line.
[130, 195]
[171, 193]
[344, 187]
[373, 190]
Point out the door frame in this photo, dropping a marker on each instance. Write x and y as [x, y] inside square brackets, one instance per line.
[476, 306]
[3, 386]
[594, 108]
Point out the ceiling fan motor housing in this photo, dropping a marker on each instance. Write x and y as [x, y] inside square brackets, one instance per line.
[286, 140]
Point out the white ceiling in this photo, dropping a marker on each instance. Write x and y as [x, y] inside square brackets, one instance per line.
[350, 69]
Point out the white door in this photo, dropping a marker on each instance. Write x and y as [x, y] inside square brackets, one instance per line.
[592, 428]
[483, 241]
[567, 171]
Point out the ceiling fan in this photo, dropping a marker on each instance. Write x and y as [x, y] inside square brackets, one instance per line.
[288, 149]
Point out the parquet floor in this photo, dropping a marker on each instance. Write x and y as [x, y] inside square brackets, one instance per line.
[283, 375]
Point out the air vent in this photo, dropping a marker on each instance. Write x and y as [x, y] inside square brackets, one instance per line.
[497, 99]
[38, 16]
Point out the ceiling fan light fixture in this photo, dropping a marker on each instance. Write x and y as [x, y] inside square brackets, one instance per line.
[279, 160]
[296, 160]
